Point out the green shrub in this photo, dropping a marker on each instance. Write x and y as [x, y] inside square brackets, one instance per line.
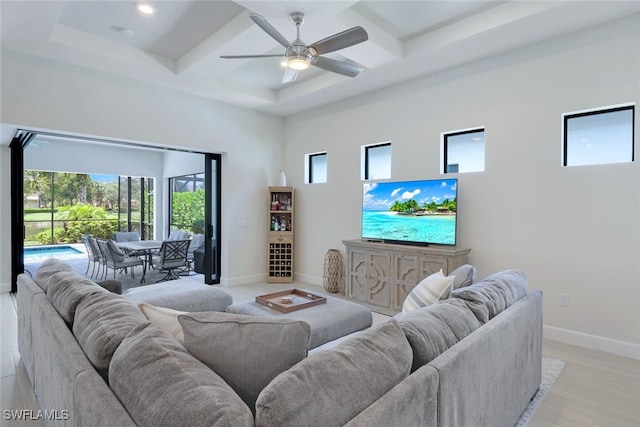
[72, 231]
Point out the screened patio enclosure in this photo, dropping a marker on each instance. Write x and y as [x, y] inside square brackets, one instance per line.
[59, 207]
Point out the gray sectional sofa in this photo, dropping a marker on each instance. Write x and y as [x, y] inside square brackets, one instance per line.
[471, 360]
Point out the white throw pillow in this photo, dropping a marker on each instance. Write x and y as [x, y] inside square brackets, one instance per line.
[164, 318]
[430, 290]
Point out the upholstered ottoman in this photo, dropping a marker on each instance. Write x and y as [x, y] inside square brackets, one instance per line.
[328, 321]
[182, 295]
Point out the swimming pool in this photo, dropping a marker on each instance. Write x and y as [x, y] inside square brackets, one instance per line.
[51, 251]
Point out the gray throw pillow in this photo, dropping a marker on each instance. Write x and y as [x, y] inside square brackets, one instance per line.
[246, 351]
[48, 268]
[331, 387]
[496, 292]
[432, 330]
[161, 384]
[465, 275]
[101, 322]
[67, 289]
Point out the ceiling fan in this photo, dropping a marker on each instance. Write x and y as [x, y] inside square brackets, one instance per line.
[299, 56]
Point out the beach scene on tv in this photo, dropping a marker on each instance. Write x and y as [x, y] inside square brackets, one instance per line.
[411, 211]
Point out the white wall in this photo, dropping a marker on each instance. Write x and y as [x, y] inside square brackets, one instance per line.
[39, 94]
[573, 230]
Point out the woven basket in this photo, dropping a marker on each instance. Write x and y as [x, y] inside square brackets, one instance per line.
[333, 271]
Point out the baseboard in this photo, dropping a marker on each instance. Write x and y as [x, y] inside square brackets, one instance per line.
[593, 342]
[306, 278]
[5, 288]
[243, 280]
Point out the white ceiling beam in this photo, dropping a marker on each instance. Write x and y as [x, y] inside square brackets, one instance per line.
[316, 9]
[298, 91]
[475, 25]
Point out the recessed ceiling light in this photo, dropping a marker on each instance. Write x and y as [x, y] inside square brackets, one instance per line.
[145, 8]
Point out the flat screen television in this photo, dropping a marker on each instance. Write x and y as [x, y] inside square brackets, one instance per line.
[412, 212]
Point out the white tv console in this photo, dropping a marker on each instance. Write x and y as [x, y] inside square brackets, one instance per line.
[383, 274]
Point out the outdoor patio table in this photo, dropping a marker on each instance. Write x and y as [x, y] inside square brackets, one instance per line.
[145, 247]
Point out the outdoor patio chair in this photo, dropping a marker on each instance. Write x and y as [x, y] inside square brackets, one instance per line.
[115, 259]
[126, 236]
[93, 255]
[178, 235]
[173, 255]
[197, 242]
[98, 253]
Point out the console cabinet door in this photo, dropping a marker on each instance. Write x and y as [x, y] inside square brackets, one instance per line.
[357, 270]
[369, 277]
[430, 265]
[406, 274]
[378, 279]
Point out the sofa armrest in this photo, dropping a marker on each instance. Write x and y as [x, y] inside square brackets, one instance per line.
[94, 402]
[413, 402]
[488, 378]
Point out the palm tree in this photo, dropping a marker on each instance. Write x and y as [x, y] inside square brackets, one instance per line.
[39, 183]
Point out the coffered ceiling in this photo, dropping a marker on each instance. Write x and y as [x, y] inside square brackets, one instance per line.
[180, 45]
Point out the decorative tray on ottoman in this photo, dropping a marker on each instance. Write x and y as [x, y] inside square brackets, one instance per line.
[291, 300]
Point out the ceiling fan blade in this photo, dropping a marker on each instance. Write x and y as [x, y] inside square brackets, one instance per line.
[250, 56]
[338, 41]
[334, 66]
[269, 29]
[289, 76]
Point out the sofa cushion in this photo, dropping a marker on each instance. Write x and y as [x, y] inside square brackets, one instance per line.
[333, 386]
[465, 275]
[246, 351]
[67, 289]
[164, 318]
[48, 268]
[161, 384]
[432, 330]
[101, 322]
[430, 290]
[496, 292]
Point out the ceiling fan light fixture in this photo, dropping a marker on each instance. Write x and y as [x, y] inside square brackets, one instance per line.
[298, 62]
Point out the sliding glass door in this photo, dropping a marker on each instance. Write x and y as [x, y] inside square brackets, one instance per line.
[212, 210]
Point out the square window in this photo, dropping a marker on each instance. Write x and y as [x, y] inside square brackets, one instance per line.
[316, 170]
[376, 161]
[463, 151]
[598, 137]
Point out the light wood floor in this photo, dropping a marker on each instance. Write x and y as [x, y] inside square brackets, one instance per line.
[595, 388]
